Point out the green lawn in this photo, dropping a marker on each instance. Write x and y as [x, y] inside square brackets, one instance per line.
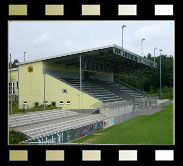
[146, 129]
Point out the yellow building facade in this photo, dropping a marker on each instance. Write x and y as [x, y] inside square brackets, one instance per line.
[32, 84]
[13, 83]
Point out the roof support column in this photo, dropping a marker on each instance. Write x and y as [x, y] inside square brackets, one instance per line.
[44, 82]
[11, 87]
[80, 58]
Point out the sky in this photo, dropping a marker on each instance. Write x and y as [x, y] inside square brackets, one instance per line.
[41, 39]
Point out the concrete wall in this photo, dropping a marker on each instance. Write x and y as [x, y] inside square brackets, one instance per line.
[122, 111]
[116, 110]
[108, 123]
[69, 135]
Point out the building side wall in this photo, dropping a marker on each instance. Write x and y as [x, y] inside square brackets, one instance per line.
[32, 90]
[14, 76]
[61, 70]
[31, 87]
[78, 99]
[60, 67]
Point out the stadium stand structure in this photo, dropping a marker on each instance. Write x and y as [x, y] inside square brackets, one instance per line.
[106, 91]
[94, 89]
[78, 82]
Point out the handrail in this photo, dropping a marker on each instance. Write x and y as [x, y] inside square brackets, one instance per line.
[116, 92]
[96, 105]
[131, 87]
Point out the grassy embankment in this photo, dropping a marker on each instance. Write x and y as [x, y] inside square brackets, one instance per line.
[146, 129]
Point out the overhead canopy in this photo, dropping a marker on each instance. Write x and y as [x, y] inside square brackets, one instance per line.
[109, 59]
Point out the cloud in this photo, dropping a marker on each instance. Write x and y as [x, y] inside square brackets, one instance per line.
[43, 38]
[158, 34]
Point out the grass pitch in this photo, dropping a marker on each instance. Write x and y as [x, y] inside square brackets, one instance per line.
[146, 129]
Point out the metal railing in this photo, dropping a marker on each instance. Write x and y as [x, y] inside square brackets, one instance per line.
[131, 87]
[96, 105]
[113, 90]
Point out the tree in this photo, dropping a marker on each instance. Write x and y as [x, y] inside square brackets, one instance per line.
[148, 77]
[13, 65]
[149, 56]
[151, 91]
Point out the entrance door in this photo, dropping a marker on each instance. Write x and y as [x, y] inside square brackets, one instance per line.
[86, 75]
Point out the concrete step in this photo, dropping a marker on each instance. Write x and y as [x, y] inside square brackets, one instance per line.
[36, 118]
[62, 126]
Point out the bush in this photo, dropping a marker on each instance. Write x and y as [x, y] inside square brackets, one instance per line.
[15, 109]
[15, 137]
[167, 93]
[151, 91]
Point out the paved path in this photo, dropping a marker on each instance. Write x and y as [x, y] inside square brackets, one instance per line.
[152, 111]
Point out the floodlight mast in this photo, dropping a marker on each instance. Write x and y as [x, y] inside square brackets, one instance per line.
[122, 38]
[24, 56]
[160, 74]
[154, 54]
[142, 45]
[44, 85]
[11, 87]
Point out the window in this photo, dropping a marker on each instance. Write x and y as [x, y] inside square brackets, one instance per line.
[11, 88]
[53, 103]
[68, 102]
[17, 84]
[61, 102]
[36, 104]
[46, 102]
[25, 102]
[64, 90]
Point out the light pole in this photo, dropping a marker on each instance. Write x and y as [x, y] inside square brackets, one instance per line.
[142, 45]
[160, 73]
[11, 87]
[122, 37]
[154, 54]
[44, 83]
[24, 56]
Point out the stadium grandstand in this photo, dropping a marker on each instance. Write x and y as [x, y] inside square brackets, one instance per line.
[82, 85]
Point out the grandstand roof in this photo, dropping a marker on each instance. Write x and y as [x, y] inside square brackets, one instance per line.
[111, 54]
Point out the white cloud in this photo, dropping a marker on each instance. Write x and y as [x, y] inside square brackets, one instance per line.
[43, 39]
[158, 34]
